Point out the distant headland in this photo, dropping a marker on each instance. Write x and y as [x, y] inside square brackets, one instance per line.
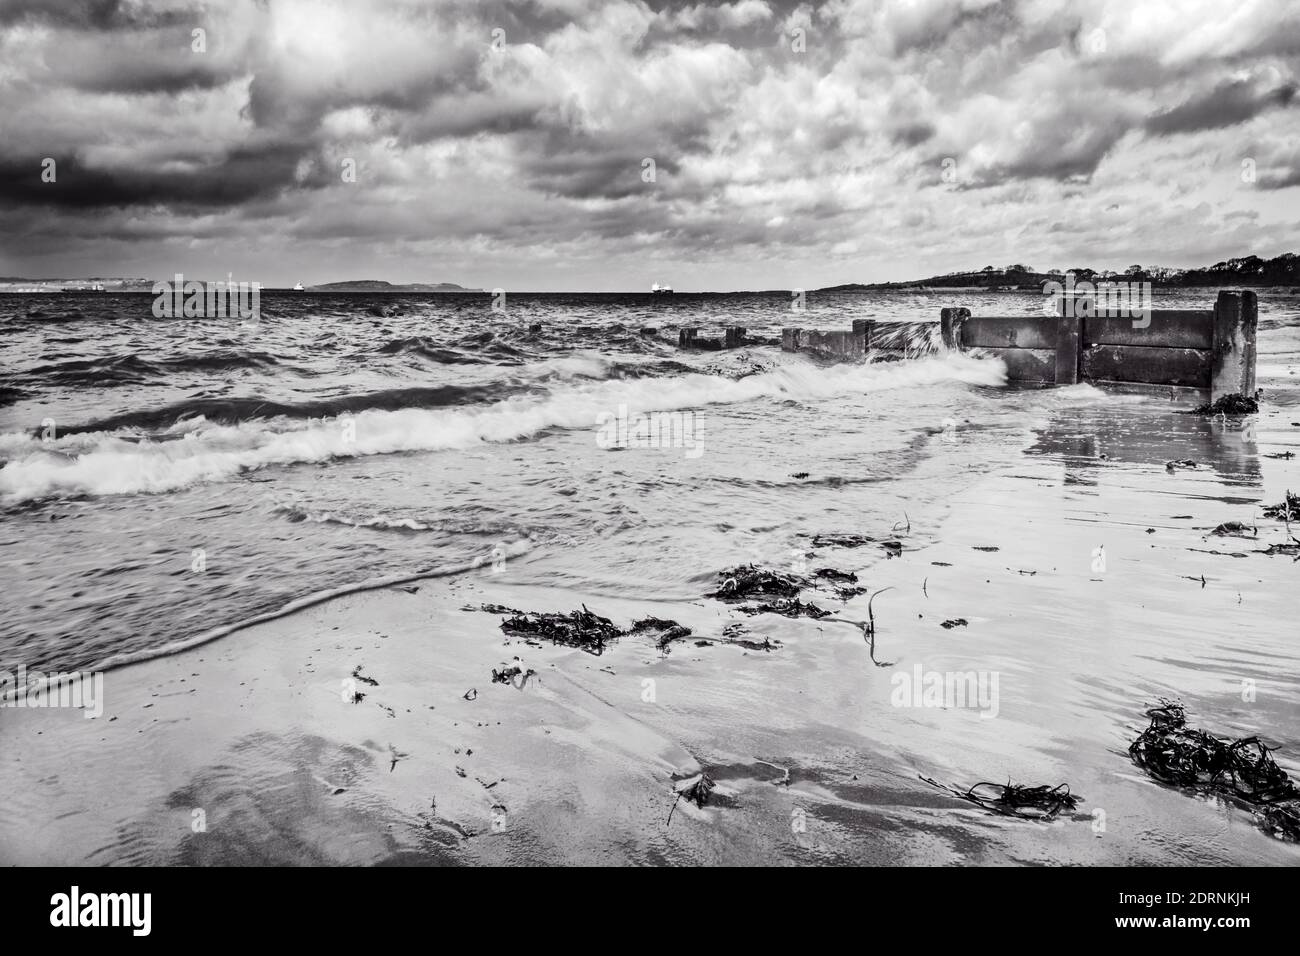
[378, 285]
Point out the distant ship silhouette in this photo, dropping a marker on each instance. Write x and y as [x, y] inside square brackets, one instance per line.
[298, 287]
[658, 289]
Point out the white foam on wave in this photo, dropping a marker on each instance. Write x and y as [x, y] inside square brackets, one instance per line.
[1079, 392]
[581, 364]
[380, 522]
[123, 463]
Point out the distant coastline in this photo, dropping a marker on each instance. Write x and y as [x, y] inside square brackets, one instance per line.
[16, 284]
[1251, 271]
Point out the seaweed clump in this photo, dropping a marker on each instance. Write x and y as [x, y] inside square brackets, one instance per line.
[747, 581]
[841, 540]
[787, 608]
[1234, 404]
[834, 574]
[1016, 800]
[582, 629]
[1284, 510]
[1242, 770]
[844, 583]
[669, 631]
[694, 790]
[735, 633]
[507, 673]
[1235, 529]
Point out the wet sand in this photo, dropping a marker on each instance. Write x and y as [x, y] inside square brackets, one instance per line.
[251, 749]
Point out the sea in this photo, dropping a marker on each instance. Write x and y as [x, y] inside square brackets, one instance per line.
[163, 480]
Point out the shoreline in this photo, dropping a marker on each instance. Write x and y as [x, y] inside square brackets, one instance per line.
[226, 630]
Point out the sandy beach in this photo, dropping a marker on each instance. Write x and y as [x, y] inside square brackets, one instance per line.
[255, 748]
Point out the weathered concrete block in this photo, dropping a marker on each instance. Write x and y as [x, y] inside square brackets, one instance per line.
[790, 339]
[1232, 365]
[686, 337]
[734, 336]
[1158, 366]
[1027, 365]
[842, 344]
[1167, 328]
[1008, 332]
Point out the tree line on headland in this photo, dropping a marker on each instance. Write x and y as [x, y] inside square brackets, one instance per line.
[1248, 271]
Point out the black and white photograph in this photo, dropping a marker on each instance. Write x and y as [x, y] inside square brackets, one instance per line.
[651, 433]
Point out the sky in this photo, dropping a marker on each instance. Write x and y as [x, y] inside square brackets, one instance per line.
[567, 145]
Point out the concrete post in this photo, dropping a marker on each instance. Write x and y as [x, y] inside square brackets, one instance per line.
[686, 337]
[1069, 342]
[950, 323]
[735, 337]
[790, 339]
[1232, 361]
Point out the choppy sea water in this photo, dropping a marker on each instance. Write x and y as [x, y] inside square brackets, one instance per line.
[160, 478]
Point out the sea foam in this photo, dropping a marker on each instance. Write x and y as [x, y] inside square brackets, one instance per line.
[197, 451]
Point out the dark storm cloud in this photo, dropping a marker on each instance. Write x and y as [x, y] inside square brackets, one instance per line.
[1228, 104]
[1061, 154]
[156, 67]
[912, 134]
[242, 175]
[92, 14]
[1286, 178]
[470, 113]
[608, 165]
[600, 171]
[928, 27]
[1278, 166]
[1063, 149]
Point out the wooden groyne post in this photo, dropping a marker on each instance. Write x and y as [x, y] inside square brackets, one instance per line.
[733, 337]
[950, 323]
[1069, 344]
[1232, 365]
[1086, 340]
[1211, 350]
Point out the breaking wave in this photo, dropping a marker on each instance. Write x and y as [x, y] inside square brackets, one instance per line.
[110, 462]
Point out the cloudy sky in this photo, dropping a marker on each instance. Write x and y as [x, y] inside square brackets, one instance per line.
[507, 144]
